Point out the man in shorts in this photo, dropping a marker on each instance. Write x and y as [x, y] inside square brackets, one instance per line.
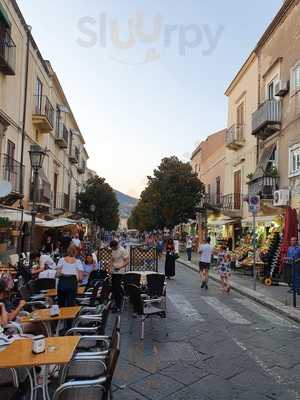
[205, 251]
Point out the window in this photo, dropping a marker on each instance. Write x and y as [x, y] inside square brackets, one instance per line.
[57, 120]
[295, 78]
[240, 121]
[294, 160]
[38, 96]
[218, 190]
[271, 90]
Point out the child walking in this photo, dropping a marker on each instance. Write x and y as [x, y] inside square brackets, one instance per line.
[224, 272]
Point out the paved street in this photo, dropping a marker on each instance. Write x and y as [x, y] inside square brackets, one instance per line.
[210, 346]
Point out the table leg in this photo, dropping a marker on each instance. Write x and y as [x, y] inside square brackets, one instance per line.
[45, 390]
[32, 388]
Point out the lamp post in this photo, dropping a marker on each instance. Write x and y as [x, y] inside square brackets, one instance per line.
[92, 210]
[37, 155]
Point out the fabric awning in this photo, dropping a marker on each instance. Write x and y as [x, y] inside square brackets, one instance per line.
[57, 223]
[220, 222]
[16, 215]
[263, 162]
[267, 219]
[4, 17]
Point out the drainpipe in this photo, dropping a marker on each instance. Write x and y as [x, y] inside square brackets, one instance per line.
[21, 206]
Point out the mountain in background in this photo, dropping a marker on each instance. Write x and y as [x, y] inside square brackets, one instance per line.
[126, 204]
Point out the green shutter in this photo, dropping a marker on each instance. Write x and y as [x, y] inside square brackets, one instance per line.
[4, 17]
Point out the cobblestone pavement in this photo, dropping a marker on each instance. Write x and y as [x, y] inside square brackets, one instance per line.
[211, 346]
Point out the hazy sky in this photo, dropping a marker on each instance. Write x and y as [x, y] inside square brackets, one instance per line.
[145, 79]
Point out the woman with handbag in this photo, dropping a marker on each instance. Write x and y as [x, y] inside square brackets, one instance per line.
[171, 257]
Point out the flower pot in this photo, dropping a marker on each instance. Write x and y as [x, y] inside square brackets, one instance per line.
[15, 232]
[3, 247]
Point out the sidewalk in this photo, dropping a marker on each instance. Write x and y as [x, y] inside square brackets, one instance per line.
[276, 298]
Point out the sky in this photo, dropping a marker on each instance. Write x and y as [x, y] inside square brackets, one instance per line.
[145, 79]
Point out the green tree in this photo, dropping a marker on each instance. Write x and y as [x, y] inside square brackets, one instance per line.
[170, 198]
[99, 193]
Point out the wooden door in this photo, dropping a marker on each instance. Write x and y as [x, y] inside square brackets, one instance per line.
[237, 190]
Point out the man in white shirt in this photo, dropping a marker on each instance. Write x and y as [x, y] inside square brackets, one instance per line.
[206, 252]
[119, 261]
[43, 262]
[189, 248]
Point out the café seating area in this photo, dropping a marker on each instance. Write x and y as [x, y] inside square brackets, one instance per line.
[53, 352]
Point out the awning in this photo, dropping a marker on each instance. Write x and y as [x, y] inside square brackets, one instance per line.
[263, 162]
[4, 17]
[57, 223]
[267, 219]
[16, 215]
[220, 222]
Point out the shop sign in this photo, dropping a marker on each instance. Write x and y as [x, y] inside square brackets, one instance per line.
[254, 204]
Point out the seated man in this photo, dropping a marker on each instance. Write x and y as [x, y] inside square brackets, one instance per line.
[43, 262]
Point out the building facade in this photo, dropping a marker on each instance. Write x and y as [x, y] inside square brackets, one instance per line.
[34, 110]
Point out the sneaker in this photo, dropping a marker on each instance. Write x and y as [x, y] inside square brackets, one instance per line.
[203, 284]
[206, 287]
[134, 315]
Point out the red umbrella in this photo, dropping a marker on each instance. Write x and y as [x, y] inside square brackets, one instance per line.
[290, 230]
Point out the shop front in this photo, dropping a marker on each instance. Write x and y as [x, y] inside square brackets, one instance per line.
[223, 231]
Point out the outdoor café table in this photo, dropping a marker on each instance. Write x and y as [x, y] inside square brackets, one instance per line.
[53, 292]
[59, 351]
[43, 316]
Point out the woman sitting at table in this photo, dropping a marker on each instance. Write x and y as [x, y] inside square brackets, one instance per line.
[89, 265]
[70, 272]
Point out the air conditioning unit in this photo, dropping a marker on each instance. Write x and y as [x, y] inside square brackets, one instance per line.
[281, 197]
[282, 88]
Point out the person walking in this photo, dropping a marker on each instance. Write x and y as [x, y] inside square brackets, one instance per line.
[293, 256]
[224, 270]
[205, 251]
[189, 248]
[170, 259]
[119, 261]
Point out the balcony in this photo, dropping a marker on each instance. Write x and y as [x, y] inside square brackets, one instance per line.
[81, 168]
[266, 120]
[235, 137]
[62, 137]
[43, 115]
[264, 187]
[74, 155]
[7, 55]
[11, 172]
[232, 202]
[42, 197]
[58, 203]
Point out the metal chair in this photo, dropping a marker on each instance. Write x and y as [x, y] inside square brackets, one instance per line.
[130, 278]
[96, 372]
[44, 284]
[146, 307]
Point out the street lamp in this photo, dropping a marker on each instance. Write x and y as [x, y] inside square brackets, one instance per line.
[92, 210]
[37, 155]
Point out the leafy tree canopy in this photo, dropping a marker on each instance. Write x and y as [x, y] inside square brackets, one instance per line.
[170, 198]
[99, 193]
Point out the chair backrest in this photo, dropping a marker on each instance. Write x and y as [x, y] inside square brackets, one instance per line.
[44, 284]
[155, 285]
[105, 315]
[105, 292]
[95, 291]
[98, 275]
[25, 292]
[134, 293]
[131, 278]
[115, 331]
[113, 360]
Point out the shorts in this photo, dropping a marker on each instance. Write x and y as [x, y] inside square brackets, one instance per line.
[203, 265]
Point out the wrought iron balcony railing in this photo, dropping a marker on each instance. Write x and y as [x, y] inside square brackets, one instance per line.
[266, 120]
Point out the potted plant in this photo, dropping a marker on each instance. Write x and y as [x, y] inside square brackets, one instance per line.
[15, 232]
[4, 224]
